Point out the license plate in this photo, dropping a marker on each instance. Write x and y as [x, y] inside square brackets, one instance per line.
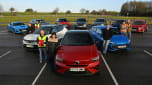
[77, 69]
[124, 46]
[30, 46]
[134, 29]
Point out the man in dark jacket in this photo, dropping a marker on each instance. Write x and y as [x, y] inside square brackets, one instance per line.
[30, 29]
[107, 34]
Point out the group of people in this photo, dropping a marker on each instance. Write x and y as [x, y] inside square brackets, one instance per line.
[125, 29]
[31, 28]
[47, 46]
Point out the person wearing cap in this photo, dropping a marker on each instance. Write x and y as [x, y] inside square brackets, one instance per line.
[107, 34]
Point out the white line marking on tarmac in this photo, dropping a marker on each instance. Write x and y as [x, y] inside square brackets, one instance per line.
[111, 74]
[8, 52]
[148, 52]
[37, 77]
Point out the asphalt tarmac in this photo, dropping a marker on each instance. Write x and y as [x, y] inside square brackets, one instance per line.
[21, 67]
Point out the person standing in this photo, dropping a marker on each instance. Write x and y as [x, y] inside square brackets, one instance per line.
[129, 30]
[124, 28]
[30, 29]
[42, 44]
[107, 34]
[52, 46]
[37, 25]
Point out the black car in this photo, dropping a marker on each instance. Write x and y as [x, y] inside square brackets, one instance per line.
[100, 21]
[41, 21]
[117, 22]
[81, 23]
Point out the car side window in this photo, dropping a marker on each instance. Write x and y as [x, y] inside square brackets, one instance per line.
[93, 29]
[59, 28]
[54, 30]
[98, 30]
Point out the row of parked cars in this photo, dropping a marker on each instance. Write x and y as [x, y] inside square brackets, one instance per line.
[78, 49]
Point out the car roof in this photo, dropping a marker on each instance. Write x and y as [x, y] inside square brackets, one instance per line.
[104, 27]
[48, 25]
[17, 22]
[61, 18]
[81, 18]
[100, 18]
[118, 19]
[78, 31]
[139, 20]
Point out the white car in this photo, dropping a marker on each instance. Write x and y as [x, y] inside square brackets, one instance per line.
[30, 40]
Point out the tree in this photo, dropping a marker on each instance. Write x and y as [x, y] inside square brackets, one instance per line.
[56, 10]
[93, 12]
[87, 12]
[82, 10]
[68, 12]
[12, 10]
[29, 10]
[1, 8]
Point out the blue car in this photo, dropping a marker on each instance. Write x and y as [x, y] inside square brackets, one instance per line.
[117, 42]
[17, 27]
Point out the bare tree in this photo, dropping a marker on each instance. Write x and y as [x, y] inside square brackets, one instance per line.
[56, 10]
[82, 10]
[1, 9]
[12, 10]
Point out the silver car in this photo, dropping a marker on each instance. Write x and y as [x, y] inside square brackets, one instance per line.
[30, 40]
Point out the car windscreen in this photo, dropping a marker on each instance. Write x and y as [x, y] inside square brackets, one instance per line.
[47, 30]
[77, 39]
[16, 24]
[100, 20]
[118, 21]
[62, 20]
[81, 20]
[138, 23]
[115, 31]
[40, 21]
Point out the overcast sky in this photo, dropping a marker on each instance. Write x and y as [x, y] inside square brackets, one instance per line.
[63, 5]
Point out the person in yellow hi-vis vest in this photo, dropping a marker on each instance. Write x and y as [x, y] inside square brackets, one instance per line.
[42, 44]
[37, 25]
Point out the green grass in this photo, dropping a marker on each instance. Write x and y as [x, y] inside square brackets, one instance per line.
[71, 17]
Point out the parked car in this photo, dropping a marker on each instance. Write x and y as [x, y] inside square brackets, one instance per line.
[117, 23]
[17, 27]
[30, 40]
[77, 54]
[99, 21]
[63, 21]
[117, 42]
[41, 21]
[81, 23]
[139, 26]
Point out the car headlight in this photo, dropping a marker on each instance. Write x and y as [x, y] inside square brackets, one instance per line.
[140, 27]
[129, 41]
[59, 59]
[85, 25]
[111, 43]
[96, 58]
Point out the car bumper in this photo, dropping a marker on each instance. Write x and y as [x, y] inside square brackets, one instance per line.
[90, 69]
[28, 44]
[137, 30]
[116, 47]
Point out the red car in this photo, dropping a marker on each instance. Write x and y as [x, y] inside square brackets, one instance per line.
[63, 21]
[77, 54]
[139, 26]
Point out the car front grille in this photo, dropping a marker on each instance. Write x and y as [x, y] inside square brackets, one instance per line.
[77, 65]
[117, 46]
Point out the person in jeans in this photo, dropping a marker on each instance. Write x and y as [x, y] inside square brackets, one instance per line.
[129, 29]
[107, 34]
[52, 48]
[42, 43]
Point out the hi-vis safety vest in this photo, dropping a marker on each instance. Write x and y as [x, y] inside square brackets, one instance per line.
[42, 41]
[37, 26]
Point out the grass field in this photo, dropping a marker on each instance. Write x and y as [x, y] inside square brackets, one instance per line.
[71, 17]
